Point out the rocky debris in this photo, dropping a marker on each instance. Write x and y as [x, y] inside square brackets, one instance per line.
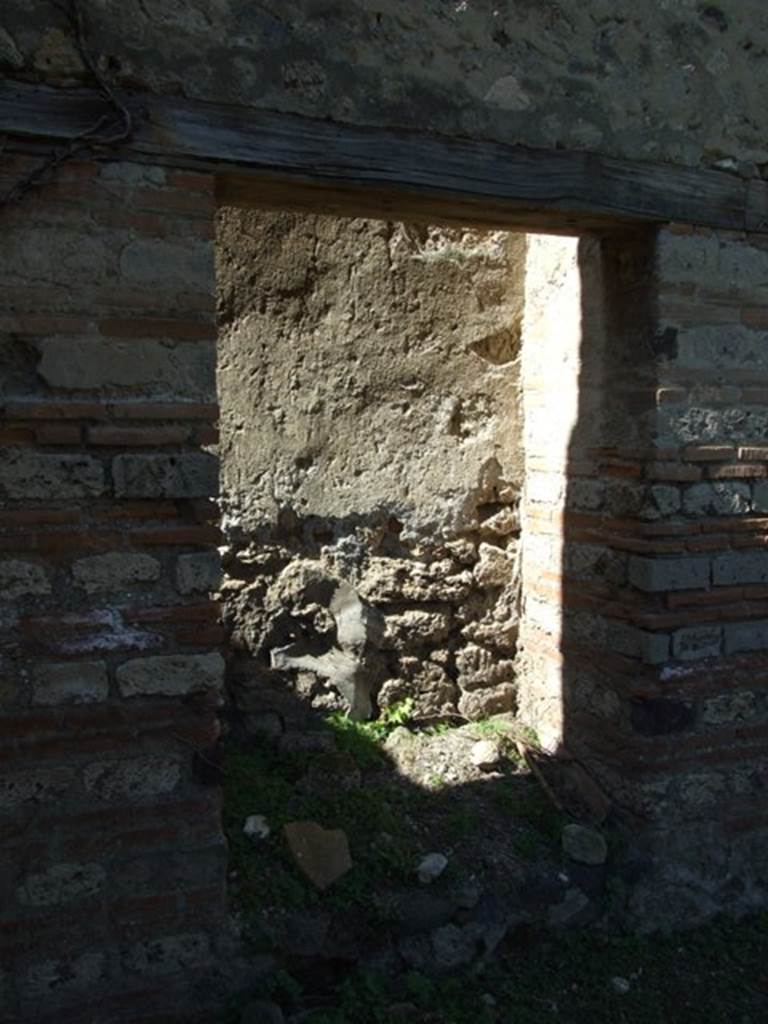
[256, 827]
[620, 986]
[584, 845]
[487, 755]
[320, 854]
[431, 867]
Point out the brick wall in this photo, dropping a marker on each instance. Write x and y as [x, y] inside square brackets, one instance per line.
[113, 861]
[646, 621]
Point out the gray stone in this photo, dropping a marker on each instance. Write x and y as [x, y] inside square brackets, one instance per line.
[584, 845]
[10, 55]
[740, 567]
[727, 498]
[33, 787]
[198, 573]
[486, 755]
[132, 778]
[30, 474]
[190, 475]
[662, 573]
[746, 636]
[67, 974]
[256, 827]
[570, 910]
[62, 883]
[697, 642]
[620, 986]
[114, 571]
[320, 854]
[170, 954]
[431, 867]
[652, 648]
[159, 368]
[70, 682]
[170, 675]
[186, 265]
[22, 579]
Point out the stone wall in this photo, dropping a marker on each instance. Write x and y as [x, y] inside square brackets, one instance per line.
[369, 380]
[113, 859]
[679, 81]
[643, 631]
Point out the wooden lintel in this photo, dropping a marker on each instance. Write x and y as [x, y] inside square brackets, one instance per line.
[269, 159]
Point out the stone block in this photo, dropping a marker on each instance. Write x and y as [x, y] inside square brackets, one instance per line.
[666, 499]
[171, 675]
[62, 883]
[697, 642]
[199, 573]
[22, 579]
[36, 475]
[64, 975]
[652, 648]
[724, 498]
[760, 496]
[661, 574]
[134, 778]
[70, 682]
[728, 708]
[191, 475]
[740, 567]
[185, 265]
[33, 786]
[154, 367]
[746, 636]
[170, 954]
[114, 571]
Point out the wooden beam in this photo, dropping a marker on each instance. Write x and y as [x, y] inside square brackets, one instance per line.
[263, 158]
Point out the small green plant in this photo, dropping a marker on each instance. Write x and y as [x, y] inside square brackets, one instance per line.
[363, 740]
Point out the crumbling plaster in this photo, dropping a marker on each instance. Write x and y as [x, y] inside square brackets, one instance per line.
[671, 80]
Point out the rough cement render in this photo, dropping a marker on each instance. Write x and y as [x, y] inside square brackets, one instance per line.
[370, 421]
[674, 80]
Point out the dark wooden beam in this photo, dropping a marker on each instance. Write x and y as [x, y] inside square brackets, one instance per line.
[268, 159]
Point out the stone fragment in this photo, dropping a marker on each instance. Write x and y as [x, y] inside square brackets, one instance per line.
[115, 570]
[574, 903]
[620, 986]
[660, 574]
[22, 579]
[494, 567]
[431, 867]
[70, 682]
[584, 845]
[57, 58]
[486, 755]
[726, 498]
[478, 667]
[256, 827]
[320, 854]
[502, 524]
[696, 642]
[479, 704]
[10, 55]
[170, 675]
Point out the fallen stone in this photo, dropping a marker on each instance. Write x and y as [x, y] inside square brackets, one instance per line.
[431, 867]
[565, 913]
[256, 827]
[620, 985]
[584, 845]
[320, 854]
[486, 755]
